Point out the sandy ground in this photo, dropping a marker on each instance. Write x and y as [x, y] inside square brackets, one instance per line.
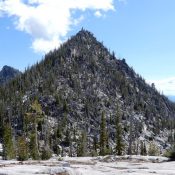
[135, 165]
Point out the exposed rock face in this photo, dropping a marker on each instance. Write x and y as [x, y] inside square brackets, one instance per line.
[7, 73]
[75, 84]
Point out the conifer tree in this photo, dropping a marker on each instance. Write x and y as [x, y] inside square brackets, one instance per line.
[82, 146]
[131, 137]
[119, 142]
[108, 150]
[67, 139]
[33, 147]
[59, 132]
[34, 116]
[46, 153]
[22, 148]
[9, 151]
[95, 142]
[103, 137]
[95, 146]
[143, 150]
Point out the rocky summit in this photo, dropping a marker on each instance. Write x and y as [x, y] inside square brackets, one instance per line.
[82, 100]
[7, 73]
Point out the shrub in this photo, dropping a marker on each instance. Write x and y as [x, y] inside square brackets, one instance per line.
[170, 153]
[94, 153]
[153, 149]
[46, 154]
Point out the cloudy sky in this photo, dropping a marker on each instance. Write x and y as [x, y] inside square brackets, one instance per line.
[141, 31]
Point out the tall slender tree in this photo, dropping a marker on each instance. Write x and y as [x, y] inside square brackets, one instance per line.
[34, 152]
[9, 151]
[82, 145]
[118, 127]
[131, 136]
[22, 148]
[103, 136]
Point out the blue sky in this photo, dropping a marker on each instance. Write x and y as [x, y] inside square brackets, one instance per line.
[141, 31]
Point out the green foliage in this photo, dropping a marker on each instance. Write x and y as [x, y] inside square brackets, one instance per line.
[9, 151]
[22, 148]
[65, 107]
[67, 139]
[108, 151]
[103, 135]
[33, 121]
[57, 138]
[82, 145]
[95, 145]
[33, 147]
[36, 107]
[34, 117]
[170, 153]
[153, 149]
[64, 121]
[94, 153]
[72, 84]
[46, 154]
[59, 132]
[119, 142]
[143, 150]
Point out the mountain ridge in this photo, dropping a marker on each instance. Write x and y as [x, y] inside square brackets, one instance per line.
[70, 90]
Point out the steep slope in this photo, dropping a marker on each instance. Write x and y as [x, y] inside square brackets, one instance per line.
[7, 73]
[65, 95]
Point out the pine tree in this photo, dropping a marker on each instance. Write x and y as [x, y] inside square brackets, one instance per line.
[95, 142]
[103, 137]
[67, 139]
[65, 107]
[119, 142]
[22, 148]
[108, 150]
[9, 151]
[143, 150]
[131, 137]
[46, 153]
[33, 147]
[95, 146]
[64, 121]
[82, 145]
[32, 118]
[59, 132]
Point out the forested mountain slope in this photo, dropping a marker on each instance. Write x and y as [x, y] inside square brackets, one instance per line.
[75, 98]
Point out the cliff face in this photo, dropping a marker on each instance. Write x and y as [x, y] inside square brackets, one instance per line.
[68, 91]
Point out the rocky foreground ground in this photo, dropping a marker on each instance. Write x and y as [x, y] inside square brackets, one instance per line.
[108, 165]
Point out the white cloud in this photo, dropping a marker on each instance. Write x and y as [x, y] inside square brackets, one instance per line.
[49, 21]
[167, 86]
[98, 14]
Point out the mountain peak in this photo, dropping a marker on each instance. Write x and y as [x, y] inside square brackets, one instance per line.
[84, 45]
[72, 88]
[7, 68]
[86, 33]
[84, 37]
[8, 73]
